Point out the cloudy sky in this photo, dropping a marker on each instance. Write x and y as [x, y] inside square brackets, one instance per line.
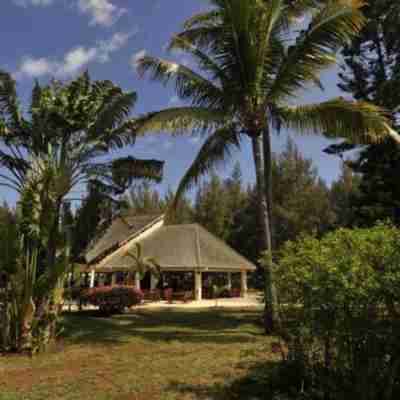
[60, 38]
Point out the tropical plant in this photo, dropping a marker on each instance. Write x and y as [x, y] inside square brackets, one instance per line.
[251, 59]
[44, 158]
[142, 264]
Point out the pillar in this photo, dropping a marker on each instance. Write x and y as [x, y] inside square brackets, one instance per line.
[198, 283]
[137, 280]
[113, 278]
[243, 284]
[92, 277]
[153, 281]
[229, 281]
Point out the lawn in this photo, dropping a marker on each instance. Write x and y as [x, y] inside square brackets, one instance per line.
[154, 354]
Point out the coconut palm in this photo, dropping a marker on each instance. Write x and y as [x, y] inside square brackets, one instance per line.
[141, 264]
[251, 59]
[60, 148]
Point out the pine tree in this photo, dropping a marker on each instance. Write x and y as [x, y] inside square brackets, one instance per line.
[211, 207]
[143, 199]
[343, 195]
[184, 213]
[301, 198]
[92, 218]
[372, 72]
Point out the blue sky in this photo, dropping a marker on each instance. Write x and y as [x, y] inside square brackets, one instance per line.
[44, 38]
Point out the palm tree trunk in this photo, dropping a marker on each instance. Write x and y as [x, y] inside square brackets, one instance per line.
[272, 317]
[263, 209]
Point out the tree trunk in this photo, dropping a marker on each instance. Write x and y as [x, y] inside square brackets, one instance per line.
[25, 344]
[272, 317]
[263, 209]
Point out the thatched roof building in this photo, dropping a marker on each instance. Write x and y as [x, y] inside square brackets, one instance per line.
[183, 248]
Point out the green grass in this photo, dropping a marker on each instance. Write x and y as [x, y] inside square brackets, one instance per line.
[168, 354]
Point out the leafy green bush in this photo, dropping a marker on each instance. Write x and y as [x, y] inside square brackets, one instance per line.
[113, 299]
[344, 291]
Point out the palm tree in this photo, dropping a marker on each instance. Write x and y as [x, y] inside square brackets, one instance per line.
[251, 61]
[141, 264]
[62, 147]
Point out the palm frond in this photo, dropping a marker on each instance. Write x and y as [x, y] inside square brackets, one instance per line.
[358, 122]
[203, 61]
[215, 150]
[333, 26]
[208, 18]
[298, 9]
[203, 37]
[179, 120]
[188, 84]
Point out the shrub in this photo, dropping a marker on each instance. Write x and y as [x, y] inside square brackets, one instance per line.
[345, 292]
[113, 299]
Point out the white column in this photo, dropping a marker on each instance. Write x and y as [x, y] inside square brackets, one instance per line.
[198, 283]
[92, 276]
[153, 281]
[243, 284]
[229, 280]
[137, 280]
[113, 279]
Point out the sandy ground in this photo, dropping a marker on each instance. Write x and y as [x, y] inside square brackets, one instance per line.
[252, 300]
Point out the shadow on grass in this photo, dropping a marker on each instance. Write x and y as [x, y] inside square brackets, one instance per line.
[253, 386]
[212, 326]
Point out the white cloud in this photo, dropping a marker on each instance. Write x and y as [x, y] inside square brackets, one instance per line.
[137, 56]
[73, 61]
[118, 40]
[26, 3]
[35, 67]
[101, 12]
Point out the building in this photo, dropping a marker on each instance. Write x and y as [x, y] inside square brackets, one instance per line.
[186, 249]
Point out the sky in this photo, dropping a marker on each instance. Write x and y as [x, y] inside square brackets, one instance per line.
[41, 39]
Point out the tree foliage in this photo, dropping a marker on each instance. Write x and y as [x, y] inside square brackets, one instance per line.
[371, 72]
[8, 239]
[44, 157]
[344, 290]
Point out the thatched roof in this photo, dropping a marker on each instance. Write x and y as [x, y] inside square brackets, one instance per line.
[182, 247]
[121, 230]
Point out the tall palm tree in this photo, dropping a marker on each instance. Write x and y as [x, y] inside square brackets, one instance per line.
[251, 59]
[62, 146]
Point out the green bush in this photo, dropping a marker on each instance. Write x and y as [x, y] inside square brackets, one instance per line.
[344, 291]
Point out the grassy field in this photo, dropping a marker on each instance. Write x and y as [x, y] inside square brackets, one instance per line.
[168, 355]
